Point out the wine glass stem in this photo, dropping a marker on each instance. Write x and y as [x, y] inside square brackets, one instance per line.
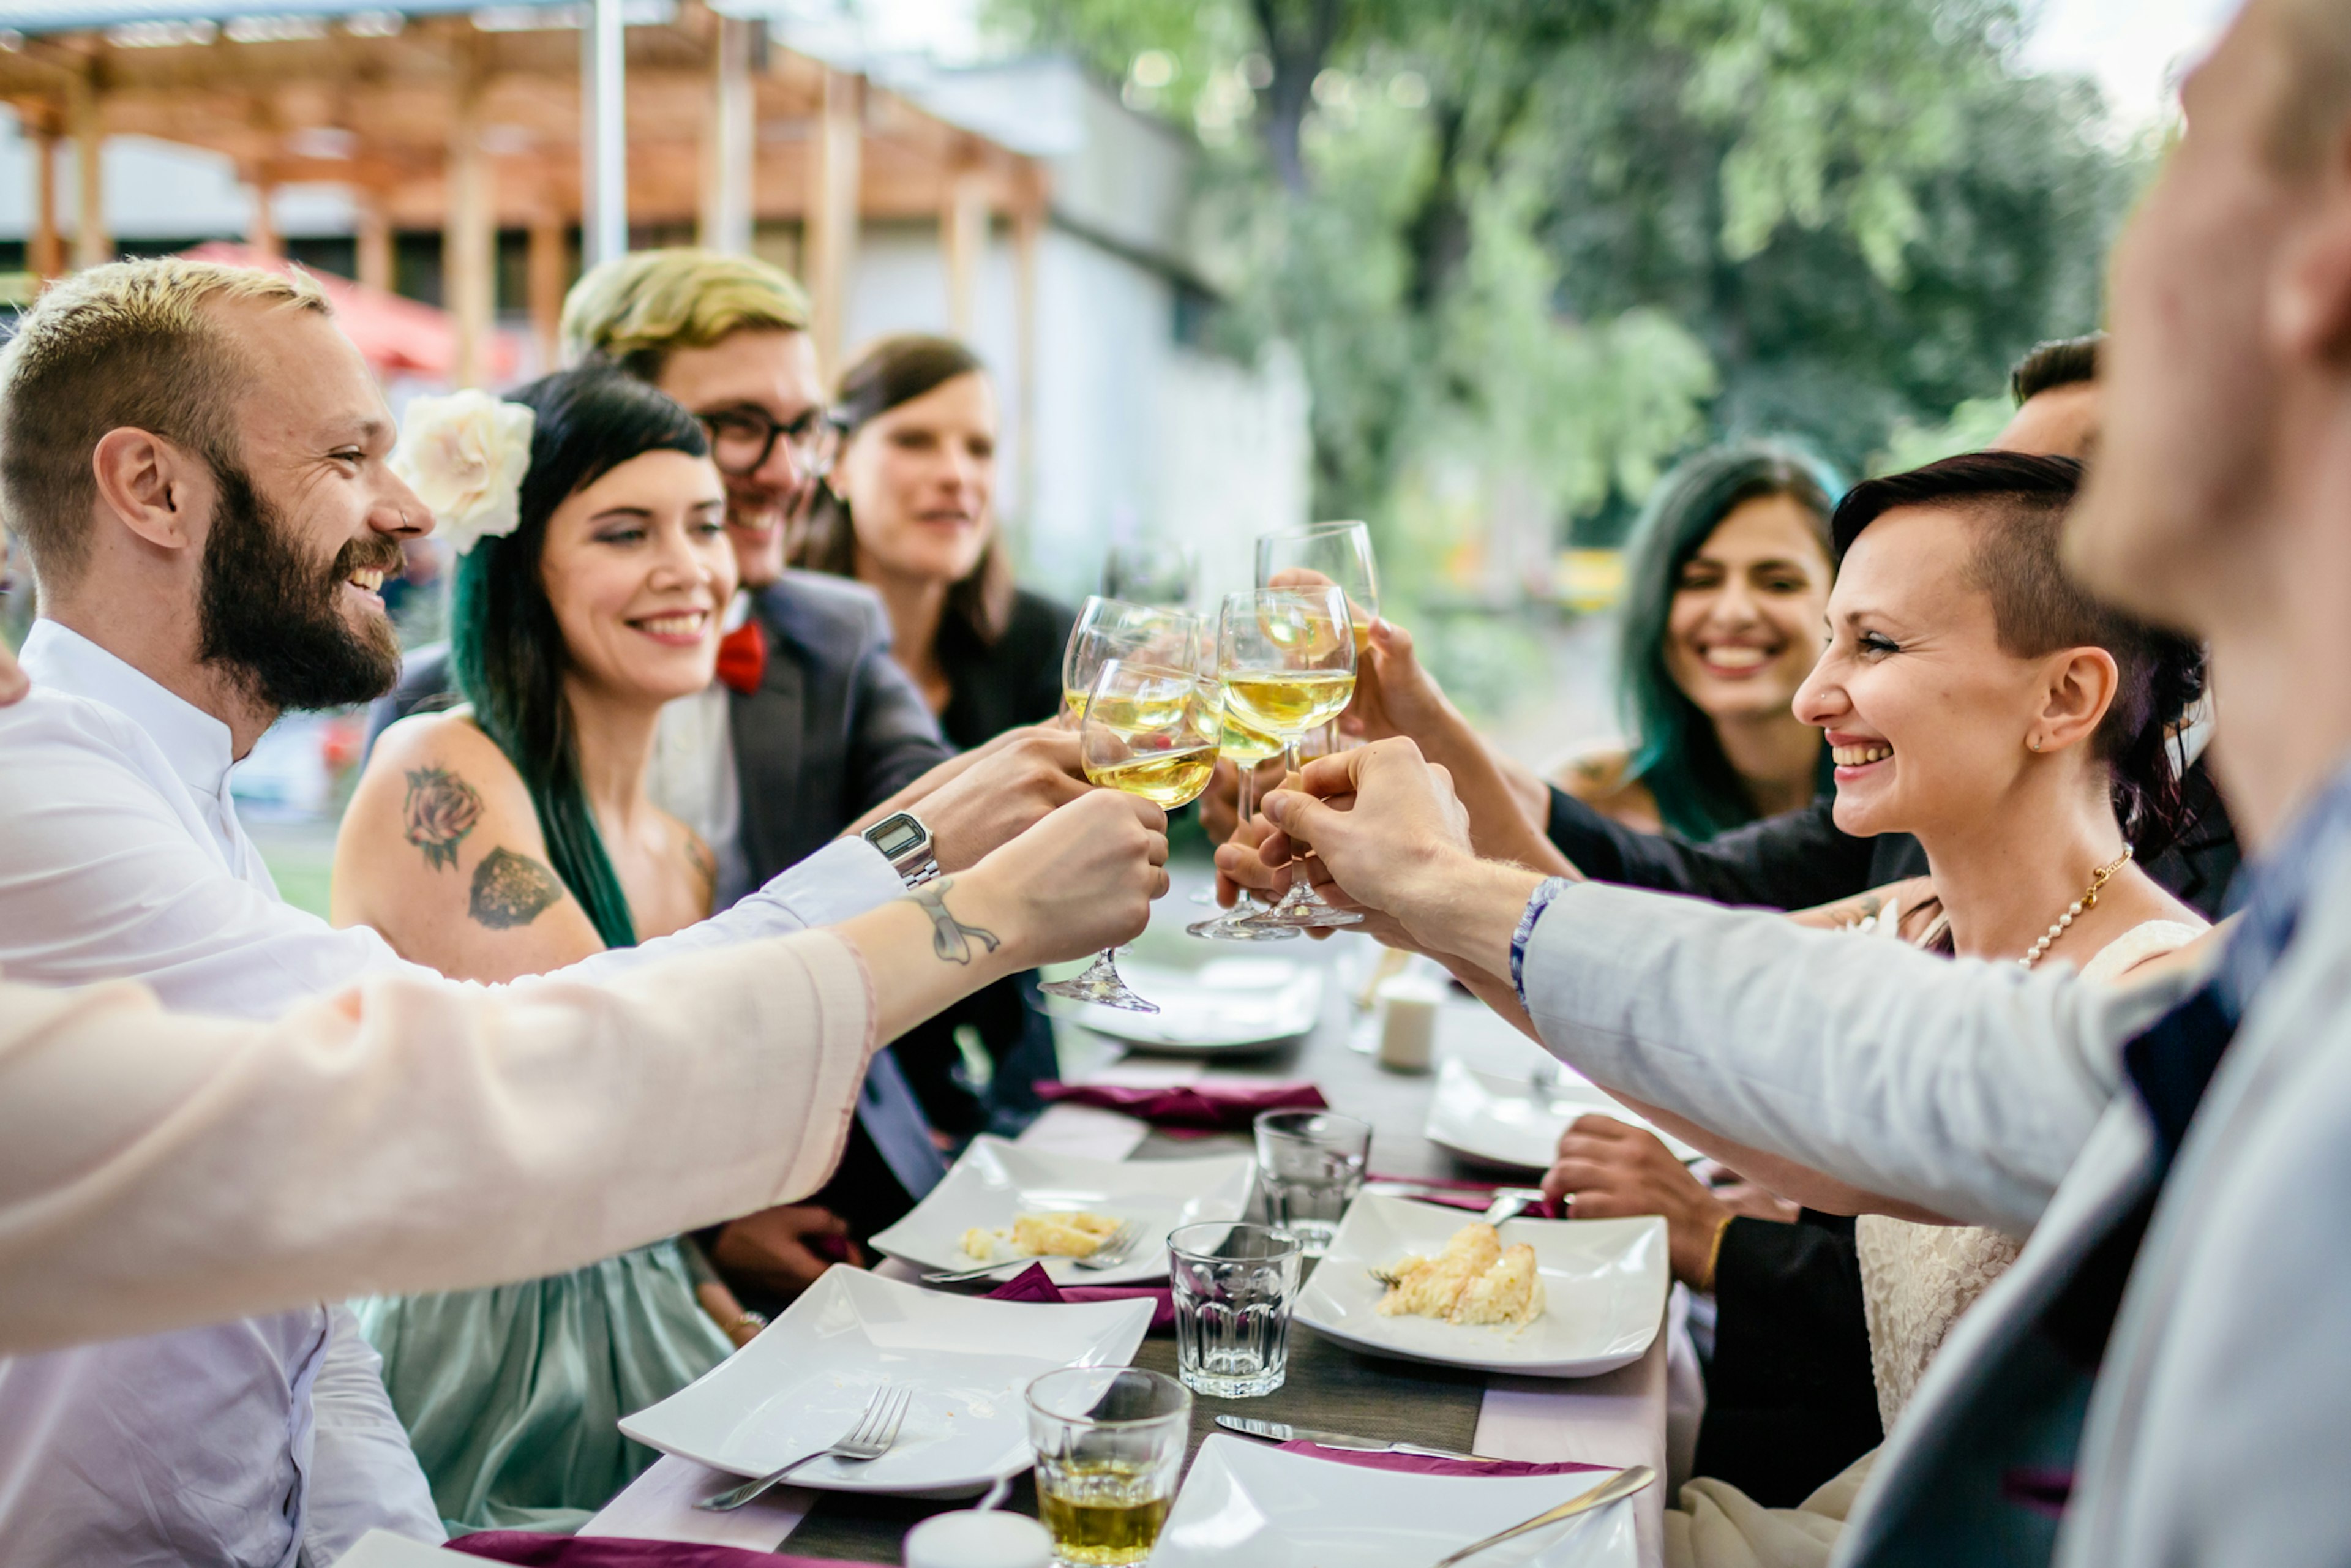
[1301, 886]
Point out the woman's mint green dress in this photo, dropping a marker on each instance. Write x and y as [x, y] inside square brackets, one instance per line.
[511, 1394]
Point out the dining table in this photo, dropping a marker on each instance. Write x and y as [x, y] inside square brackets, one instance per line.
[1617, 1418]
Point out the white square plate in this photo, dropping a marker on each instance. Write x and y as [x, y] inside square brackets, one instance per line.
[804, 1381]
[1229, 1007]
[1502, 1099]
[1604, 1283]
[995, 1180]
[1247, 1505]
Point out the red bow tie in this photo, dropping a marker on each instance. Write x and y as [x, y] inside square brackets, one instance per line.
[743, 656]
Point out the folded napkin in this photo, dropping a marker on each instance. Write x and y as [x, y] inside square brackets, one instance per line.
[1429, 1465]
[539, 1550]
[1206, 1107]
[1033, 1284]
[1473, 1195]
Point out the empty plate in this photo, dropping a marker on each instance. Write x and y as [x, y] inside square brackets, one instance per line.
[1503, 1100]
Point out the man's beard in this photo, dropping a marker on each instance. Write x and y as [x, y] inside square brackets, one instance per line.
[274, 619]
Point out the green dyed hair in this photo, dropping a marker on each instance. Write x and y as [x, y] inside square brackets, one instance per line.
[504, 647]
[1676, 753]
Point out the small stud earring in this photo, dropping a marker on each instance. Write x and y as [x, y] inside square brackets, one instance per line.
[2034, 743]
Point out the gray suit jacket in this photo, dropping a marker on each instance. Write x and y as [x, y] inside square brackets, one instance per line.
[2221, 1412]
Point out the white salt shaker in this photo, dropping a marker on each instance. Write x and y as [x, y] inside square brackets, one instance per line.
[974, 1539]
[1408, 1005]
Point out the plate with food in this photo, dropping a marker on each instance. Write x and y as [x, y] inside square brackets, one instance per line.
[1247, 1506]
[1002, 1203]
[1502, 1100]
[1544, 1298]
[807, 1377]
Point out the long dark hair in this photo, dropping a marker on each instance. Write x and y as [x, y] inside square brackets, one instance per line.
[2019, 502]
[1677, 752]
[893, 372]
[505, 647]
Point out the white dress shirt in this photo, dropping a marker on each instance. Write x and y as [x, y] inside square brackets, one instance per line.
[122, 857]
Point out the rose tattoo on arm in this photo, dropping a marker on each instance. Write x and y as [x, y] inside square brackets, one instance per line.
[438, 811]
[949, 935]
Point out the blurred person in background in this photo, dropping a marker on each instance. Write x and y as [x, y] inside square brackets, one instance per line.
[909, 511]
[1727, 577]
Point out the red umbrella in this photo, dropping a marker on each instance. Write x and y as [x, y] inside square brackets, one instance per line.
[399, 337]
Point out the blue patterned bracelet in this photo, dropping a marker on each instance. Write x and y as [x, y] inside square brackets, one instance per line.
[1550, 888]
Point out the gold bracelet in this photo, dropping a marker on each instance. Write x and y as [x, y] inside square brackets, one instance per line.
[1714, 1254]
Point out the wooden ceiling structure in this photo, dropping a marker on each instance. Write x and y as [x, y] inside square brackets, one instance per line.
[472, 122]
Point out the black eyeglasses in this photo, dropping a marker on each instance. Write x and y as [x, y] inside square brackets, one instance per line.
[742, 439]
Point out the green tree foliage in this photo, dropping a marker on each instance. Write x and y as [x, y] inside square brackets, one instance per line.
[1565, 240]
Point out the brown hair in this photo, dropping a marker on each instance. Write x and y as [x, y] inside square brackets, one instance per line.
[2060, 362]
[126, 345]
[893, 372]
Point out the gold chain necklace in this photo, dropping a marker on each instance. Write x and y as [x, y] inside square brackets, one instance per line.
[2089, 900]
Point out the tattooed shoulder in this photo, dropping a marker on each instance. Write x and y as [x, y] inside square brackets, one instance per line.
[512, 890]
[439, 810]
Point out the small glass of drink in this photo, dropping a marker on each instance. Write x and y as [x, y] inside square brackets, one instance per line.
[1110, 1447]
[1309, 1165]
[1234, 1287]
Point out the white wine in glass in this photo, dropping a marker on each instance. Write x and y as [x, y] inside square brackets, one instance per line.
[1151, 730]
[1336, 553]
[1109, 629]
[1286, 657]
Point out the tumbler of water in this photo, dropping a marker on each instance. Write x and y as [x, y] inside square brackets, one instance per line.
[1309, 1166]
[1234, 1286]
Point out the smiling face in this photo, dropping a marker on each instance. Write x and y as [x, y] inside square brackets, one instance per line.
[1745, 625]
[770, 376]
[1927, 715]
[920, 481]
[638, 567]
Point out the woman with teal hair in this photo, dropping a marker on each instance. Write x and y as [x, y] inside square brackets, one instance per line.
[515, 835]
[1727, 578]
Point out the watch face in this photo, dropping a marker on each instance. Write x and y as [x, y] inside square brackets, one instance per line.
[896, 836]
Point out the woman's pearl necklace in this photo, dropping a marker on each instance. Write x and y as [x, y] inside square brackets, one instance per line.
[2089, 900]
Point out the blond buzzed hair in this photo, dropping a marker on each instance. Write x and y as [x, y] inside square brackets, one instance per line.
[130, 344]
[635, 310]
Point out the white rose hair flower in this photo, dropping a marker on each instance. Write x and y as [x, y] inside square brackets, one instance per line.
[465, 457]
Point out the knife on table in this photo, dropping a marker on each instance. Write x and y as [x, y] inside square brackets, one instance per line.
[1284, 1432]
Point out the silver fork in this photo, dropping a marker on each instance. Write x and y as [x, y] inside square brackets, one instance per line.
[1109, 1255]
[1508, 1201]
[871, 1439]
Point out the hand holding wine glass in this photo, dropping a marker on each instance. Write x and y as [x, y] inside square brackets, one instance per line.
[1286, 657]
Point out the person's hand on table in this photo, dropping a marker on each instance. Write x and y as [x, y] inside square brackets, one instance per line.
[1607, 1170]
[779, 1252]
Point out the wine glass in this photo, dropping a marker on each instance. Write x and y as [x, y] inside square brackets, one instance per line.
[1336, 553]
[1150, 730]
[1152, 571]
[1109, 629]
[1245, 746]
[1286, 657]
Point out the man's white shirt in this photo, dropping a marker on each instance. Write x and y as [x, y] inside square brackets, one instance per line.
[268, 1440]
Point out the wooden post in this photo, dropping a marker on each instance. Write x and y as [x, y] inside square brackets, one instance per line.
[728, 134]
[1027, 226]
[831, 248]
[92, 244]
[962, 236]
[261, 234]
[548, 279]
[374, 258]
[468, 236]
[47, 254]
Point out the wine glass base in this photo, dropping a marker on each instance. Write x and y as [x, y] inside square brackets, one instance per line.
[1101, 984]
[1306, 917]
[1237, 926]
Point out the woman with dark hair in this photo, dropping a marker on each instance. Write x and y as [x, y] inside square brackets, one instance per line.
[569, 633]
[909, 509]
[1726, 574]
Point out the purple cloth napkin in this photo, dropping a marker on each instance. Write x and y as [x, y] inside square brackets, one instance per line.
[611, 1552]
[1428, 1465]
[1206, 1107]
[1033, 1284]
[1475, 1194]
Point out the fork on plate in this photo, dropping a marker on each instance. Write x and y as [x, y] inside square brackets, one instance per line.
[1114, 1251]
[1508, 1201]
[875, 1431]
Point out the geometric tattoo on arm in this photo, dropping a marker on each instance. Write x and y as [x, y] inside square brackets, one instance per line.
[511, 890]
[440, 810]
[947, 933]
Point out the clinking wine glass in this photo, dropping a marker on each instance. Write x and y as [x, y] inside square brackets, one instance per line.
[1336, 553]
[1150, 571]
[1109, 629]
[1286, 657]
[1245, 746]
[1151, 730]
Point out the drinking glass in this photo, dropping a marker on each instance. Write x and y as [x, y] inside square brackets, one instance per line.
[1110, 1444]
[1336, 553]
[1234, 1287]
[1309, 1165]
[1152, 571]
[1109, 629]
[1286, 657]
[1246, 746]
[1151, 730]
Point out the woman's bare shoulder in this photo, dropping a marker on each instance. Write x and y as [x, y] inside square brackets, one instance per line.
[1603, 779]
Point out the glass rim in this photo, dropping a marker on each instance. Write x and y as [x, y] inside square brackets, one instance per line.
[1181, 1412]
[1297, 1242]
[1262, 1122]
[1316, 530]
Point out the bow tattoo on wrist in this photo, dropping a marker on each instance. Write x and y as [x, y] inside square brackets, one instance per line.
[950, 937]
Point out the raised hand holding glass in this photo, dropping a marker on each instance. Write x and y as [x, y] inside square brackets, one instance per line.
[1287, 660]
